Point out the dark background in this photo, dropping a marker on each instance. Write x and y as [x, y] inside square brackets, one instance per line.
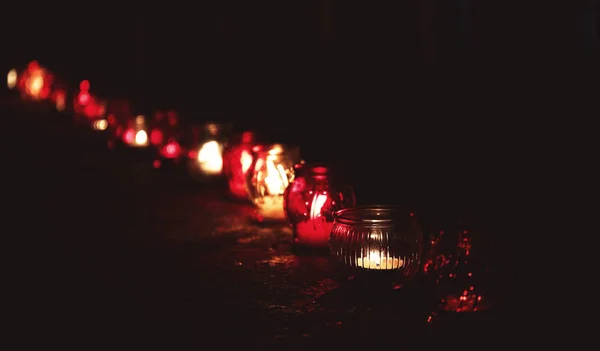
[432, 104]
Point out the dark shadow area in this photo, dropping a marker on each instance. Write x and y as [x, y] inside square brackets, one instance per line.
[463, 111]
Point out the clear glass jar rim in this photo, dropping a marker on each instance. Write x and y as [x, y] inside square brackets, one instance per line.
[370, 214]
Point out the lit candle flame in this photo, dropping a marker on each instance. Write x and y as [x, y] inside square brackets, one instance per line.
[210, 157]
[317, 205]
[141, 138]
[11, 79]
[246, 160]
[375, 257]
[35, 84]
[276, 180]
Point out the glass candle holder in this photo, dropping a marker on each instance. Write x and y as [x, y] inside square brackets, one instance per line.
[137, 133]
[377, 238]
[270, 173]
[237, 159]
[206, 153]
[310, 201]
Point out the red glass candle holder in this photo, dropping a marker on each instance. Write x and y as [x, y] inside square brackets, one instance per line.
[271, 172]
[237, 159]
[310, 201]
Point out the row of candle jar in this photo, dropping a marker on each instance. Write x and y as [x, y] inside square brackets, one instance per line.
[320, 207]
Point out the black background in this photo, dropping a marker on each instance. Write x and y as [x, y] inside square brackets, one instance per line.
[419, 115]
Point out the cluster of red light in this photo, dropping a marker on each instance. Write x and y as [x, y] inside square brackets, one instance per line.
[86, 103]
[171, 150]
[459, 276]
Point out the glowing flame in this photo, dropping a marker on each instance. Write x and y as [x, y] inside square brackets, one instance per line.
[317, 205]
[246, 160]
[141, 138]
[35, 83]
[140, 119]
[276, 180]
[211, 157]
[101, 124]
[11, 79]
[375, 257]
[61, 101]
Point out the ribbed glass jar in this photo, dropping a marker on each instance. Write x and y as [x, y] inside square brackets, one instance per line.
[377, 238]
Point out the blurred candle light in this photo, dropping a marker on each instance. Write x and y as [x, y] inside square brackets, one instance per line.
[11, 79]
[237, 158]
[100, 124]
[210, 157]
[205, 157]
[378, 258]
[141, 137]
[60, 100]
[269, 175]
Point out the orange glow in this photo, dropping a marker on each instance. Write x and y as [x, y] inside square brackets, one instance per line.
[61, 100]
[378, 259]
[246, 160]
[100, 124]
[276, 180]
[11, 79]
[141, 138]
[34, 85]
[210, 157]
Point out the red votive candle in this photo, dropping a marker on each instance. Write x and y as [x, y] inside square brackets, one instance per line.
[310, 201]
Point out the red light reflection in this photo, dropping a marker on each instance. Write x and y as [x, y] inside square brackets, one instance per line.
[171, 150]
[84, 85]
[129, 136]
[156, 137]
[83, 98]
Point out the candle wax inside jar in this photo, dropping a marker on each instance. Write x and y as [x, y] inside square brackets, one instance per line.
[271, 207]
[313, 232]
[376, 262]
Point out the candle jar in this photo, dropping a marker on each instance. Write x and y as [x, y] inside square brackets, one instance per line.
[377, 238]
[136, 135]
[310, 201]
[237, 159]
[205, 155]
[270, 173]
